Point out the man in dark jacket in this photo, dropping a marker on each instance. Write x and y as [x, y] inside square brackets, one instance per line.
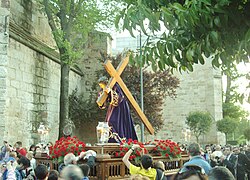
[242, 164]
[229, 160]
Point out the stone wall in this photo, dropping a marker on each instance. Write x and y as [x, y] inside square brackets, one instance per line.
[31, 77]
[33, 85]
[30, 73]
[200, 90]
[4, 38]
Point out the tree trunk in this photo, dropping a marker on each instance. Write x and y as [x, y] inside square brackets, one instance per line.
[64, 97]
[197, 139]
[228, 89]
[226, 137]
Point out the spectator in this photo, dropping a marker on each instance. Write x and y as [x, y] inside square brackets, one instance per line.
[72, 172]
[207, 153]
[220, 173]
[247, 152]
[191, 172]
[19, 149]
[24, 167]
[242, 164]
[215, 156]
[146, 163]
[41, 172]
[72, 159]
[30, 156]
[11, 171]
[160, 169]
[196, 158]
[229, 159]
[85, 170]
[53, 175]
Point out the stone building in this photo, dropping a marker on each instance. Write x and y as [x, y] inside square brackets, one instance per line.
[30, 73]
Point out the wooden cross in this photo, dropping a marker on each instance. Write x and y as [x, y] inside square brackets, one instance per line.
[115, 77]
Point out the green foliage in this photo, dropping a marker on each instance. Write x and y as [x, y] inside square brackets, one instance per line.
[233, 111]
[199, 122]
[82, 110]
[72, 21]
[226, 125]
[247, 133]
[220, 29]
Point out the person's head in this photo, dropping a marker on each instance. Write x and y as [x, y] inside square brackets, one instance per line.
[227, 150]
[102, 81]
[41, 172]
[217, 148]
[69, 159]
[53, 175]
[72, 172]
[220, 172]
[32, 147]
[191, 172]
[23, 162]
[13, 154]
[30, 155]
[160, 165]
[85, 169]
[236, 150]
[146, 161]
[194, 149]
[18, 145]
[248, 147]
[208, 148]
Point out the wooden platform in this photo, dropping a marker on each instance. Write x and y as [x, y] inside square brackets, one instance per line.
[109, 167]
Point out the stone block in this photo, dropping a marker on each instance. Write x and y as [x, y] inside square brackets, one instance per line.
[3, 72]
[15, 84]
[3, 49]
[3, 60]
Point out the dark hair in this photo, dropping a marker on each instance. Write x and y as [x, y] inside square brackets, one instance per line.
[146, 161]
[188, 171]
[32, 146]
[41, 171]
[194, 149]
[85, 169]
[53, 175]
[220, 172]
[25, 161]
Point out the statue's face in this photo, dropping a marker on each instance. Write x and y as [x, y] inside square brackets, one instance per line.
[102, 85]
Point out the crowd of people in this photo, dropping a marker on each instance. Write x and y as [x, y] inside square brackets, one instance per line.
[213, 163]
[18, 163]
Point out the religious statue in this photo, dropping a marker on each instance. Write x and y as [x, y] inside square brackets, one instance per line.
[118, 114]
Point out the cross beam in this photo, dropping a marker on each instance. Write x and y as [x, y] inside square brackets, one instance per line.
[102, 98]
[115, 74]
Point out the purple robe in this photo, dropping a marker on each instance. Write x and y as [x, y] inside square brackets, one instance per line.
[119, 117]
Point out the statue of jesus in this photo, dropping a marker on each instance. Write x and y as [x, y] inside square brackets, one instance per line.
[118, 114]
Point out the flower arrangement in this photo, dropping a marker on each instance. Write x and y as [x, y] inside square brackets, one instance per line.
[135, 155]
[64, 146]
[166, 148]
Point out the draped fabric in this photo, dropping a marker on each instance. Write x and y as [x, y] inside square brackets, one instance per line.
[119, 117]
